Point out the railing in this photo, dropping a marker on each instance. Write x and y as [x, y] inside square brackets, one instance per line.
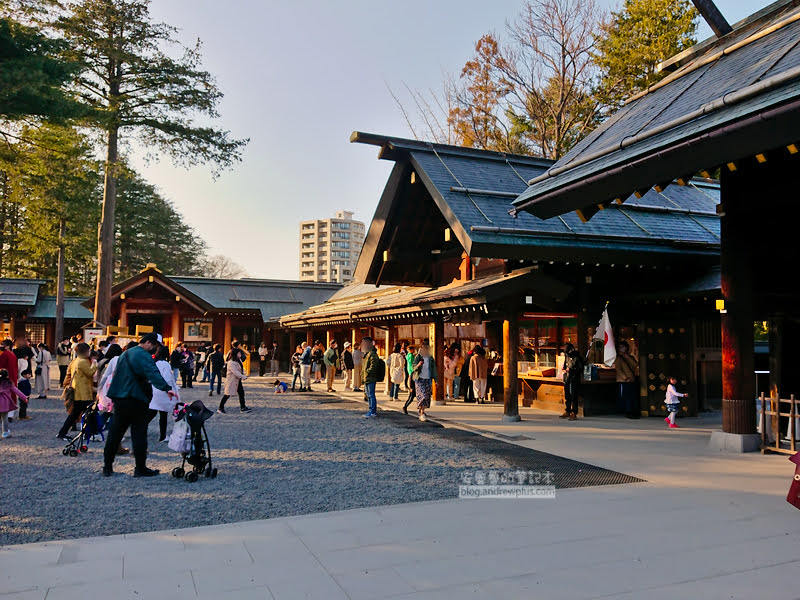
[775, 415]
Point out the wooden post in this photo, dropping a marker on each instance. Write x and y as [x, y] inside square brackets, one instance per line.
[775, 363]
[123, 313]
[176, 324]
[437, 346]
[292, 342]
[738, 392]
[510, 375]
[310, 337]
[388, 340]
[227, 335]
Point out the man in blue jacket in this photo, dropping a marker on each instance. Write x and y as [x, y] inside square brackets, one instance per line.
[305, 368]
[131, 390]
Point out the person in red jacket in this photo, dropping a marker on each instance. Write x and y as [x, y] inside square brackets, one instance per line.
[8, 360]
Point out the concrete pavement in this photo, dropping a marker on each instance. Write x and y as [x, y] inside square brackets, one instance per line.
[704, 525]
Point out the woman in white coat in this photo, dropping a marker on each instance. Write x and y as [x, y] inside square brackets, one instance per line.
[161, 404]
[233, 383]
[42, 357]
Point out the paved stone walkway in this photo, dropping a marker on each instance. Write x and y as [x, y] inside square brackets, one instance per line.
[704, 525]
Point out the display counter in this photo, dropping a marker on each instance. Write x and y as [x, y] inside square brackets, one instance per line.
[597, 397]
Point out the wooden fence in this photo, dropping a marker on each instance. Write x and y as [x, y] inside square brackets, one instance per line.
[775, 413]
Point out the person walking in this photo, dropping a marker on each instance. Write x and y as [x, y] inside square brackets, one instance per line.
[673, 402]
[331, 359]
[627, 369]
[162, 404]
[295, 367]
[63, 352]
[176, 360]
[215, 364]
[275, 359]
[10, 398]
[24, 354]
[233, 383]
[263, 357]
[479, 373]
[318, 354]
[466, 386]
[412, 394]
[42, 372]
[200, 361]
[424, 376]
[358, 358]
[573, 371]
[131, 390]
[81, 373]
[347, 367]
[306, 360]
[449, 371]
[371, 374]
[397, 371]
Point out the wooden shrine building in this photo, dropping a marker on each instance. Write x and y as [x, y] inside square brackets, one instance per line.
[730, 105]
[444, 260]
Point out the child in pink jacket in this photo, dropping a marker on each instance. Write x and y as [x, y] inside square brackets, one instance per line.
[7, 392]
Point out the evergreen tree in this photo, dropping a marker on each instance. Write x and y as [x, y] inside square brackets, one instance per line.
[635, 40]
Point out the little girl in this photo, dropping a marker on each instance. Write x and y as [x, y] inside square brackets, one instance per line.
[7, 404]
[672, 401]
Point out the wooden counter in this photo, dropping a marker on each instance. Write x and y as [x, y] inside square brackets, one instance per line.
[597, 397]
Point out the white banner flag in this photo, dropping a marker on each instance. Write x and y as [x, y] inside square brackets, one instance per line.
[606, 334]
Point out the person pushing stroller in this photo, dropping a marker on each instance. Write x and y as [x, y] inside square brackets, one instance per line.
[131, 392]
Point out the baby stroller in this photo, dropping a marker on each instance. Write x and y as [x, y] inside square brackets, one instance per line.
[92, 424]
[189, 437]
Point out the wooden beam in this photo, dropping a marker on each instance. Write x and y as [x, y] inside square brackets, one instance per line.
[510, 372]
[712, 15]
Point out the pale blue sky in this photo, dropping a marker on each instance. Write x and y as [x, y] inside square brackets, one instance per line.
[298, 77]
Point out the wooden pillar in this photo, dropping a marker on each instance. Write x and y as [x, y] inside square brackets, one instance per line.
[309, 337]
[510, 375]
[292, 341]
[775, 364]
[123, 313]
[738, 384]
[388, 342]
[437, 347]
[226, 342]
[176, 324]
[355, 341]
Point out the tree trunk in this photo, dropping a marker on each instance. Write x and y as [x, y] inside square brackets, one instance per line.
[62, 267]
[105, 241]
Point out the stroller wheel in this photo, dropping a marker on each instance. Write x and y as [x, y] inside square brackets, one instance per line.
[178, 472]
[84, 448]
[65, 451]
[213, 473]
[191, 477]
[73, 453]
[207, 472]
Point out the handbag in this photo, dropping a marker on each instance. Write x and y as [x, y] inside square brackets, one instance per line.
[180, 440]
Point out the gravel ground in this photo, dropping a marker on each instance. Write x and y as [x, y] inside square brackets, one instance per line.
[291, 455]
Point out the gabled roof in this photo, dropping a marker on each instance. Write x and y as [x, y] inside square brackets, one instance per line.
[727, 101]
[272, 297]
[359, 302]
[73, 308]
[473, 190]
[19, 292]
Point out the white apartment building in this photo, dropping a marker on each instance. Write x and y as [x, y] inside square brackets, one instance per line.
[329, 248]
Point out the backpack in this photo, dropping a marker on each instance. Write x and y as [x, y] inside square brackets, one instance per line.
[380, 369]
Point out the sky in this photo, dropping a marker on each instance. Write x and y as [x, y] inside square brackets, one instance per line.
[298, 77]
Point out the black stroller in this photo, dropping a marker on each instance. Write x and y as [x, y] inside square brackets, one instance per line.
[92, 424]
[196, 452]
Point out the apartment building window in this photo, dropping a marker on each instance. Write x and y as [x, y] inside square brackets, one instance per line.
[342, 225]
[340, 244]
[340, 254]
[343, 235]
[346, 272]
[308, 236]
[308, 255]
[307, 246]
[308, 273]
[308, 226]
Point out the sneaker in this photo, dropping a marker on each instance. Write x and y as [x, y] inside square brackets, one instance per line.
[107, 471]
[370, 414]
[221, 410]
[423, 418]
[211, 393]
[666, 420]
[564, 416]
[674, 426]
[246, 409]
[162, 440]
[357, 390]
[63, 438]
[6, 434]
[405, 410]
[25, 418]
[573, 417]
[146, 473]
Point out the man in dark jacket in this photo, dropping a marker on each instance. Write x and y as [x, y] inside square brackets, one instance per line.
[573, 371]
[466, 382]
[131, 390]
[275, 359]
[214, 365]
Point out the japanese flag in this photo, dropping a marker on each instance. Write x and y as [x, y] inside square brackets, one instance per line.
[606, 334]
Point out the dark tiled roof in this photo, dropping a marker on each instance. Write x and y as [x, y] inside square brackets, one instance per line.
[19, 292]
[737, 62]
[73, 308]
[273, 298]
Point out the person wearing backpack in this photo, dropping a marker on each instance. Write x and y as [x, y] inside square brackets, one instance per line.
[374, 370]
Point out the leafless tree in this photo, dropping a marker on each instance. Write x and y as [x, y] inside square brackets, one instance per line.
[220, 266]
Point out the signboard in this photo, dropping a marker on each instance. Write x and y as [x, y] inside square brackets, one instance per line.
[90, 334]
